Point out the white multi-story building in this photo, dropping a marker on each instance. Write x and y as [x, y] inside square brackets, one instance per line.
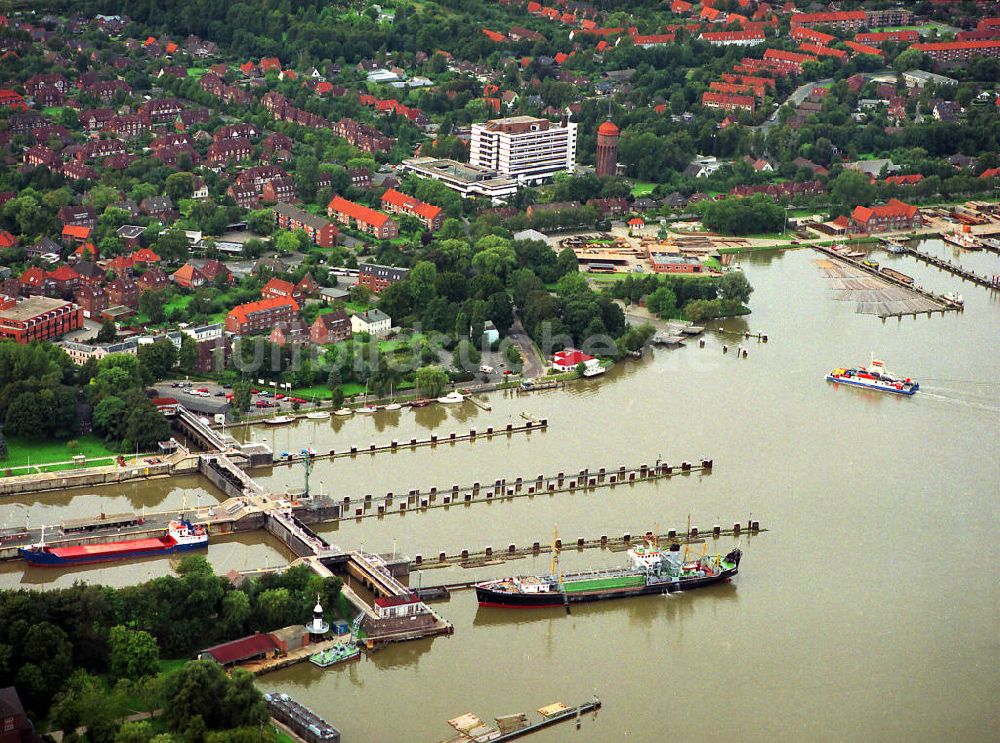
[524, 147]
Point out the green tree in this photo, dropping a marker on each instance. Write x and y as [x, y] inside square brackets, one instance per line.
[137, 731]
[3, 446]
[109, 417]
[241, 396]
[153, 305]
[734, 287]
[173, 245]
[156, 360]
[235, 612]
[431, 381]
[466, 356]
[24, 417]
[662, 302]
[273, 605]
[187, 357]
[145, 426]
[179, 186]
[108, 332]
[134, 653]
[852, 188]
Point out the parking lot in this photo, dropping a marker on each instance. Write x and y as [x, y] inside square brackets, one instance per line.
[212, 397]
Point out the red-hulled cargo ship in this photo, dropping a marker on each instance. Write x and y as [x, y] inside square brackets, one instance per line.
[181, 536]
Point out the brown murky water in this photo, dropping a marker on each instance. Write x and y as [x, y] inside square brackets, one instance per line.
[867, 612]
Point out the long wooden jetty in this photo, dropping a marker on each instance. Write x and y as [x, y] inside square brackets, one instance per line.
[490, 556]
[369, 505]
[955, 269]
[394, 445]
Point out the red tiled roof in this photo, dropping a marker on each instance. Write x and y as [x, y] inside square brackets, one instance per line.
[241, 311]
[6, 239]
[278, 287]
[243, 649]
[904, 180]
[733, 36]
[945, 46]
[570, 357]
[75, 231]
[863, 48]
[834, 17]
[145, 255]
[186, 273]
[408, 598]
[63, 273]
[991, 173]
[494, 36]
[893, 209]
[876, 37]
[341, 205]
[822, 51]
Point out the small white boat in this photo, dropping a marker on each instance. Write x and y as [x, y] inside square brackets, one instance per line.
[343, 411]
[366, 409]
[392, 406]
[593, 371]
[955, 298]
[278, 420]
[452, 397]
[318, 415]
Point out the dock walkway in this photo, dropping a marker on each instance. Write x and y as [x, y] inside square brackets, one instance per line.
[955, 269]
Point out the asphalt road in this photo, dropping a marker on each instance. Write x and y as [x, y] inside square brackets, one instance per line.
[800, 94]
[533, 366]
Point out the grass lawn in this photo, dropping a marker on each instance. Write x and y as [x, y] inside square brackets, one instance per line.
[196, 72]
[22, 451]
[178, 301]
[283, 737]
[642, 189]
[356, 308]
[53, 111]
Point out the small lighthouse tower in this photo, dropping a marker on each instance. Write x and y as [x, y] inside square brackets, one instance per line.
[318, 627]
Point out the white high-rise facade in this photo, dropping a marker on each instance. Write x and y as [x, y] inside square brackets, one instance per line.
[524, 147]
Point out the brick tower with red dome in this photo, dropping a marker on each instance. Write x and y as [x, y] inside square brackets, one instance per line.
[606, 160]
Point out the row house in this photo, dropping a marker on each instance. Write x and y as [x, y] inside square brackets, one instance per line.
[96, 148]
[119, 162]
[245, 196]
[727, 102]
[849, 20]
[783, 61]
[12, 99]
[786, 190]
[36, 83]
[895, 215]
[77, 171]
[192, 117]
[25, 122]
[362, 136]
[41, 156]
[159, 110]
[44, 134]
[236, 131]
[188, 276]
[733, 38]
[331, 327]
[363, 218]
[377, 278]
[79, 216]
[281, 289]
[171, 154]
[49, 97]
[396, 202]
[170, 139]
[106, 90]
[128, 125]
[62, 281]
[96, 119]
[321, 231]
[229, 150]
[261, 316]
[948, 54]
[279, 190]
[257, 176]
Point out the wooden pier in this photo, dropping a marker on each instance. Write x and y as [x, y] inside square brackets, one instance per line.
[875, 292]
[394, 445]
[491, 556]
[953, 268]
[527, 387]
[502, 489]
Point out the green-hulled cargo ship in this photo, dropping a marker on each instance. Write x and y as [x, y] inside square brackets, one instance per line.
[652, 570]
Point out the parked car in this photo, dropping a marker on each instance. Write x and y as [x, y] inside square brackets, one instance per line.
[299, 400]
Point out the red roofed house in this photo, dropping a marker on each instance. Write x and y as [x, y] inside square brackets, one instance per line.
[7, 240]
[75, 233]
[946, 54]
[321, 231]
[395, 202]
[863, 48]
[267, 64]
[733, 38]
[727, 102]
[850, 19]
[822, 51]
[281, 289]
[188, 276]
[892, 216]
[570, 358]
[882, 37]
[787, 61]
[365, 219]
[261, 316]
[145, 255]
[990, 173]
[904, 180]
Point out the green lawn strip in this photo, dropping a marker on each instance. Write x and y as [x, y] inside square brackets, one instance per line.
[196, 72]
[22, 451]
[356, 308]
[643, 189]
